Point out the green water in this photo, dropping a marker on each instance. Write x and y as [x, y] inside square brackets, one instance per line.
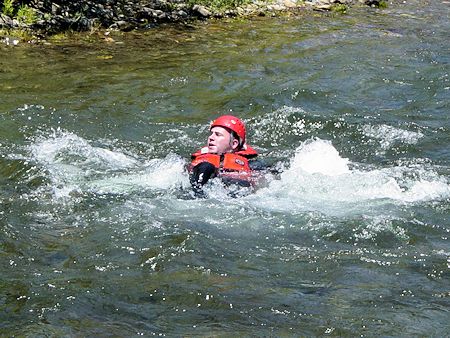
[100, 234]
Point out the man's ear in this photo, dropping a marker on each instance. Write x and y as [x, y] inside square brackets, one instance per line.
[235, 144]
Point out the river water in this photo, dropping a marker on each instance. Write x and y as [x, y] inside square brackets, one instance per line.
[100, 234]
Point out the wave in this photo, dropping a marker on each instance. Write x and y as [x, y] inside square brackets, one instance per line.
[319, 179]
[73, 164]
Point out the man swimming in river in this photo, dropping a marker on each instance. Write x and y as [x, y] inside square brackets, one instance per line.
[226, 155]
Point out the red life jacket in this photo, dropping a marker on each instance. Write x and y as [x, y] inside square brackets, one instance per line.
[229, 162]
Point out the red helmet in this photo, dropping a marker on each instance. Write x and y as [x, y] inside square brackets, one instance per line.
[232, 123]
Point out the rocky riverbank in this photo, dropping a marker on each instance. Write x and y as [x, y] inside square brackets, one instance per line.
[45, 17]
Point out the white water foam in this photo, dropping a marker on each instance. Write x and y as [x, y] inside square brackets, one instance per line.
[156, 174]
[327, 163]
[62, 147]
[319, 179]
[73, 164]
[388, 136]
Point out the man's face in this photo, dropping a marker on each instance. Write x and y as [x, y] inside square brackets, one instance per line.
[220, 141]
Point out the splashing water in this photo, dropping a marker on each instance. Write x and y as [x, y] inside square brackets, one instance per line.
[74, 165]
[389, 136]
[319, 179]
[66, 147]
[317, 157]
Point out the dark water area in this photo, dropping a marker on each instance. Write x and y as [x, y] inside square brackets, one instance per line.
[101, 235]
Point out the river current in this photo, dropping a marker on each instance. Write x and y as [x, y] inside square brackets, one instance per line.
[100, 234]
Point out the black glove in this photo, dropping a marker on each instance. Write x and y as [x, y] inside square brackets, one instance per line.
[201, 173]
